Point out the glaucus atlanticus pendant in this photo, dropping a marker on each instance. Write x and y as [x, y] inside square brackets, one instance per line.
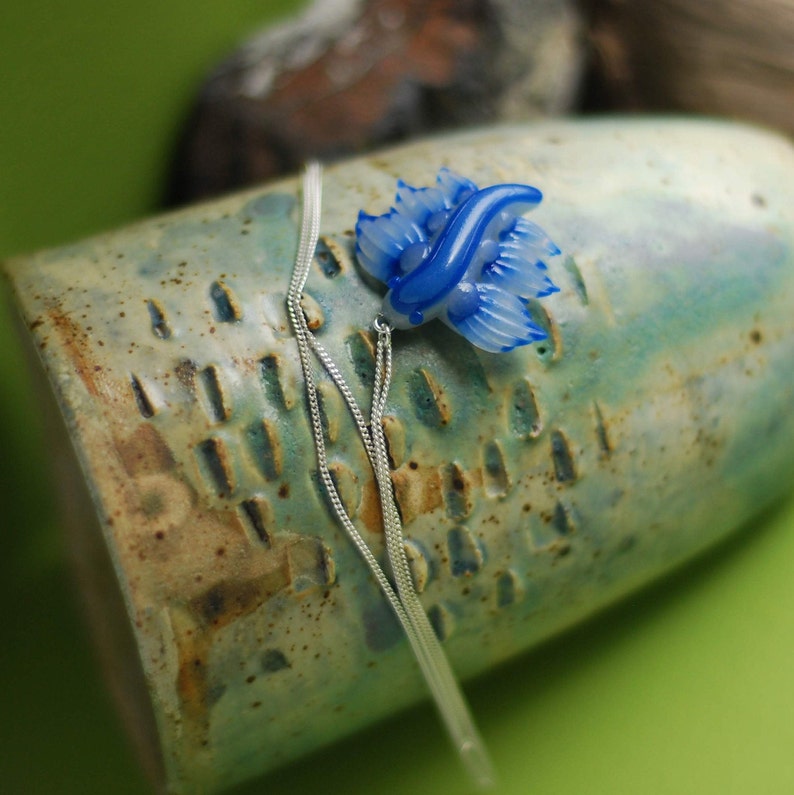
[460, 254]
[535, 486]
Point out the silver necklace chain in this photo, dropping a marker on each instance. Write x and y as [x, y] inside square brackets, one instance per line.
[402, 597]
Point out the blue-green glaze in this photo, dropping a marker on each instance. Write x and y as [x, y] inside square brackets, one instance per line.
[536, 486]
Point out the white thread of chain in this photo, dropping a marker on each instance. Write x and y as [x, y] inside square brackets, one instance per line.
[403, 600]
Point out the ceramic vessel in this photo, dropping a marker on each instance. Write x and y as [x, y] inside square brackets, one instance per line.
[536, 487]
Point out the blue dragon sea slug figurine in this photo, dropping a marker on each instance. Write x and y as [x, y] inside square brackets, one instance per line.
[463, 255]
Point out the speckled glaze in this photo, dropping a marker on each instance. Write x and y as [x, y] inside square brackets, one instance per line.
[535, 486]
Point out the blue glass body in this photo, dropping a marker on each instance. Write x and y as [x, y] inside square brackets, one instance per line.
[463, 255]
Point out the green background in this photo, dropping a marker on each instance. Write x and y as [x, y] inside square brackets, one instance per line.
[686, 688]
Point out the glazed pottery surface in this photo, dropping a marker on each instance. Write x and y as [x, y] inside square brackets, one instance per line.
[535, 486]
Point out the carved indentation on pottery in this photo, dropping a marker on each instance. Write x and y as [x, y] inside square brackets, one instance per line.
[442, 619]
[327, 258]
[279, 388]
[362, 354]
[257, 515]
[495, 475]
[347, 486]
[418, 563]
[225, 305]
[562, 458]
[329, 402]
[602, 432]
[264, 445]
[394, 431]
[562, 520]
[217, 402]
[551, 530]
[142, 399]
[313, 312]
[525, 420]
[550, 349]
[216, 466]
[509, 588]
[429, 399]
[160, 326]
[577, 279]
[310, 565]
[456, 490]
[466, 555]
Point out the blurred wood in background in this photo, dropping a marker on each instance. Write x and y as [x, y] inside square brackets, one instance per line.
[351, 75]
[732, 58]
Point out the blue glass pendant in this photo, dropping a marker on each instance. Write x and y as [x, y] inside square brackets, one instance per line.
[461, 254]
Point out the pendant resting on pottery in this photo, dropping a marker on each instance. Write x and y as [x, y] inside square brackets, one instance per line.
[462, 255]
[535, 487]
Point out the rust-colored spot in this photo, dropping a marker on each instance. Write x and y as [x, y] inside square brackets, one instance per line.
[417, 491]
[145, 452]
[76, 344]
[192, 684]
[228, 600]
[186, 371]
[369, 511]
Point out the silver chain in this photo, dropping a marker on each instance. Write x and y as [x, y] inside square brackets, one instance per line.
[404, 600]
